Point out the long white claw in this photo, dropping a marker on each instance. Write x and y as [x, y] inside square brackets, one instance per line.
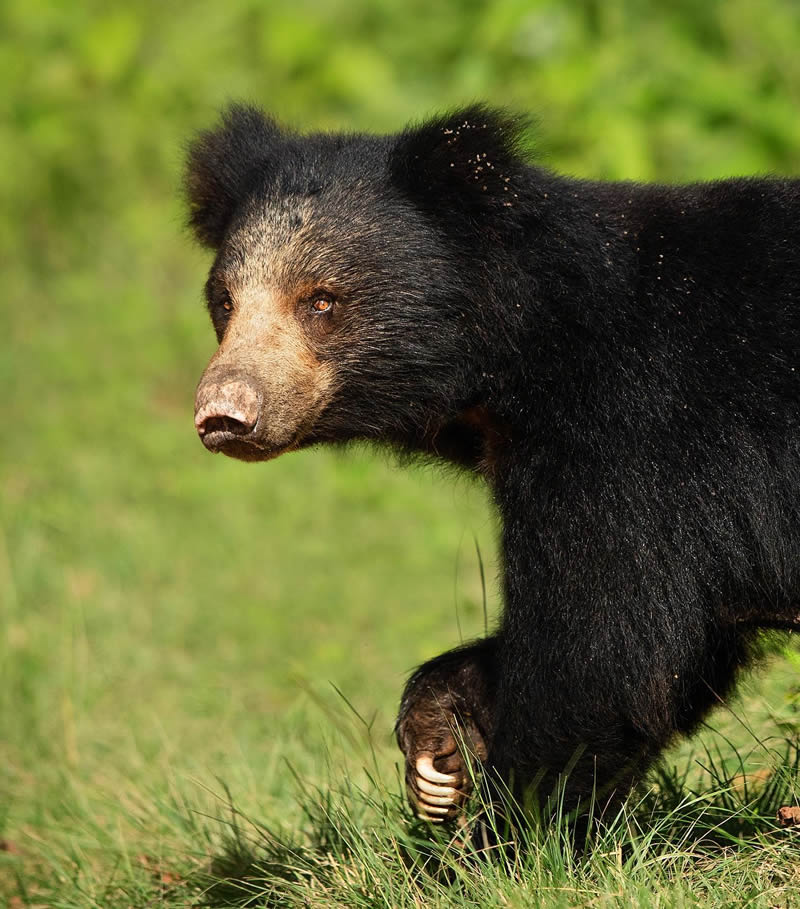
[430, 789]
[431, 820]
[432, 809]
[426, 769]
[436, 799]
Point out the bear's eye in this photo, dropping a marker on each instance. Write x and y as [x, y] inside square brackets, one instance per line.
[321, 303]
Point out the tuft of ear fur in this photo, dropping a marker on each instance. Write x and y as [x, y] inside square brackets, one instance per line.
[221, 164]
[468, 159]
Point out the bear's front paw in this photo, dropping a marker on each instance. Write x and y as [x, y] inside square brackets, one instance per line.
[441, 751]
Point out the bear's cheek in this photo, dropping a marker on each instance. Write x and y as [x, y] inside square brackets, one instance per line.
[263, 389]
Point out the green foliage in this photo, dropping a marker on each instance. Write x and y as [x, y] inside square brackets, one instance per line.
[167, 617]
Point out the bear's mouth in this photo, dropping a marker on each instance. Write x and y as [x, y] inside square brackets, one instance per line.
[261, 441]
[245, 448]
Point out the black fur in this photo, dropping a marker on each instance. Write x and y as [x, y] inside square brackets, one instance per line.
[622, 363]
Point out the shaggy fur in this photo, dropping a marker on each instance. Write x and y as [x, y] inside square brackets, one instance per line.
[620, 361]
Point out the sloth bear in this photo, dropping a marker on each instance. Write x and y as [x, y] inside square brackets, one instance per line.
[620, 362]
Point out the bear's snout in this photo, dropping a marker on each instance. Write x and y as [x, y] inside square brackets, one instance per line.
[225, 410]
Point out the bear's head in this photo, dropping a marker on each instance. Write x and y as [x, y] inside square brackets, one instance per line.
[349, 291]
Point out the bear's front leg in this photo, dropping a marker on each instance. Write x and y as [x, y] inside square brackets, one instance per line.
[444, 727]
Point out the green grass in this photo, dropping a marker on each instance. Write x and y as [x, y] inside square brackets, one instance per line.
[175, 628]
[336, 832]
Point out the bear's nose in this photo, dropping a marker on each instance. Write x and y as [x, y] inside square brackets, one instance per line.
[224, 409]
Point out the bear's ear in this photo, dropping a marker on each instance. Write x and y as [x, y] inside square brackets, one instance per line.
[221, 164]
[468, 159]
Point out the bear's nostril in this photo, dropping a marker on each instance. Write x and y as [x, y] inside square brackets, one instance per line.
[225, 424]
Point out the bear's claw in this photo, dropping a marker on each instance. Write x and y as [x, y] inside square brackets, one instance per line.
[434, 792]
[426, 770]
[442, 743]
[440, 756]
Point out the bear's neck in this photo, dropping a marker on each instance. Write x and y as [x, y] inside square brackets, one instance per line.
[556, 306]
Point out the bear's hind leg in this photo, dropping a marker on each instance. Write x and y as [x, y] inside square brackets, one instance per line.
[443, 728]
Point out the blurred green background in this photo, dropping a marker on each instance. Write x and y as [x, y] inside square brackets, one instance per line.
[169, 617]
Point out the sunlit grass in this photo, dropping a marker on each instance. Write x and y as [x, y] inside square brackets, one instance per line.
[692, 835]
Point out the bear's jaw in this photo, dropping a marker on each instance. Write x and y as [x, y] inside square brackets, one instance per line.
[234, 446]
